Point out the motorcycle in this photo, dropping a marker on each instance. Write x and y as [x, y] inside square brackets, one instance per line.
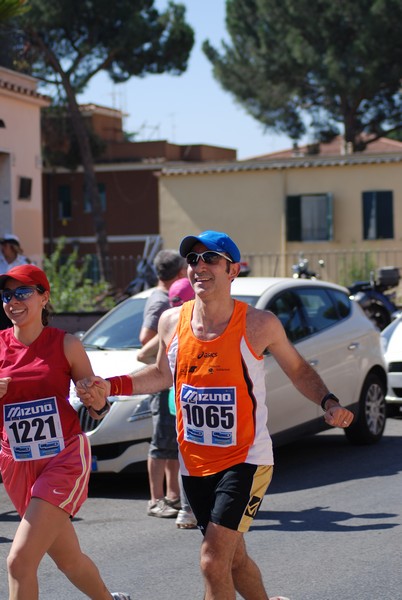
[374, 296]
[301, 269]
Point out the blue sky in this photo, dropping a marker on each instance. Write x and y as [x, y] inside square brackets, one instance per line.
[191, 108]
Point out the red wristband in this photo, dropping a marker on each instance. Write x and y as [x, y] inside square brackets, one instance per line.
[121, 385]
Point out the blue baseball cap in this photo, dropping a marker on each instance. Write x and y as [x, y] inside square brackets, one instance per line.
[213, 240]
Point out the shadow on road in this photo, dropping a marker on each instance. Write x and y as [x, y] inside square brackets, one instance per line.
[327, 459]
[125, 486]
[320, 519]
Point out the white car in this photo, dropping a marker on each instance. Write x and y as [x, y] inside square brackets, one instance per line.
[391, 338]
[328, 329]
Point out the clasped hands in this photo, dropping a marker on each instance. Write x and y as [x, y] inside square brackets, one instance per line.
[93, 391]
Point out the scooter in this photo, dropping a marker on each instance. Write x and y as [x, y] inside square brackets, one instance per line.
[301, 269]
[378, 305]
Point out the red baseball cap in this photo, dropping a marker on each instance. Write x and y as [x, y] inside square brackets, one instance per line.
[28, 274]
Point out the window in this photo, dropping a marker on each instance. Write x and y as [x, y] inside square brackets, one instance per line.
[309, 218]
[64, 199]
[378, 215]
[288, 309]
[102, 194]
[25, 188]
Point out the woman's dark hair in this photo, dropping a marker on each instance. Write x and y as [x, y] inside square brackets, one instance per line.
[45, 310]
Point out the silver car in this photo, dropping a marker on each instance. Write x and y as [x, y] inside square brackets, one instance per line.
[391, 338]
[328, 329]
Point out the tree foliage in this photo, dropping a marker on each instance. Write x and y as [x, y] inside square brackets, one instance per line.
[11, 8]
[66, 43]
[337, 63]
[72, 288]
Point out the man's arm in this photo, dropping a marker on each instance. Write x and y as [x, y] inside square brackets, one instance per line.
[266, 332]
[149, 380]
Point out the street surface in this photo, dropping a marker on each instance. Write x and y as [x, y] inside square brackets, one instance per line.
[329, 529]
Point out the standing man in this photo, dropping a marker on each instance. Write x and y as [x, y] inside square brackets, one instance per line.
[213, 348]
[11, 255]
[163, 464]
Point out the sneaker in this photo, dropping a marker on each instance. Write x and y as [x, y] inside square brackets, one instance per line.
[162, 508]
[151, 506]
[186, 520]
[120, 596]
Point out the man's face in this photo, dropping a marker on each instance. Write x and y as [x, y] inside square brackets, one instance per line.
[206, 276]
[7, 250]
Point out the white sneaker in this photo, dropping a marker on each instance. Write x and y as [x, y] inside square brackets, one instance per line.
[120, 596]
[163, 508]
[186, 520]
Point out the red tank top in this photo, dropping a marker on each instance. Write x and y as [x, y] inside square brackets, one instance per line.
[37, 395]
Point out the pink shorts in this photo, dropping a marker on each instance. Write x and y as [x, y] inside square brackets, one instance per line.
[61, 480]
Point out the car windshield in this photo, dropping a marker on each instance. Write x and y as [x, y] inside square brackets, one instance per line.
[252, 300]
[118, 329]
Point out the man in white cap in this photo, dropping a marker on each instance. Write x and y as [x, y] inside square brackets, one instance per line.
[11, 253]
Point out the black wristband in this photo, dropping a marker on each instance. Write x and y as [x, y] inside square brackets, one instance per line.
[103, 410]
[329, 396]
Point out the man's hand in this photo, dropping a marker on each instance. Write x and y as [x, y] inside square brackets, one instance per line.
[93, 391]
[337, 416]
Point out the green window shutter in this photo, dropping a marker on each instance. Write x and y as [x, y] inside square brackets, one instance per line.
[293, 218]
[64, 198]
[330, 213]
[385, 217]
[378, 215]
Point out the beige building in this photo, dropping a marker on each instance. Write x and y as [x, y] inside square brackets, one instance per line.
[20, 161]
[325, 204]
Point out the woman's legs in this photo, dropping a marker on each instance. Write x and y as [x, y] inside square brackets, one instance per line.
[47, 528]
[77, 566]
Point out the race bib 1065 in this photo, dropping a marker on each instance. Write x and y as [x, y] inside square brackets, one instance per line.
[209, 415]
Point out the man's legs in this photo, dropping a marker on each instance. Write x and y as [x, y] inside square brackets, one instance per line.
[226, 566]
[162, 460]
[156, 476]
[172, 479]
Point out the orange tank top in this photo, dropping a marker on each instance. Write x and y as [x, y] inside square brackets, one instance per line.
[220, 397]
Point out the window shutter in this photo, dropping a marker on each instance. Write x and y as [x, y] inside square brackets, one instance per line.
[293, 218]
[368, 208]
[330, 213]
[385, 219]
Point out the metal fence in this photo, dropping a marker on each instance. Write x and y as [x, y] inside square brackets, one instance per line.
[340, 266]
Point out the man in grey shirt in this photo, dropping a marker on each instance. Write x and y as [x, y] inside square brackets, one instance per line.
[163, 463]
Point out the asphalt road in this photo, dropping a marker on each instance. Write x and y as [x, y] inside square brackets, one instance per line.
[329, 529]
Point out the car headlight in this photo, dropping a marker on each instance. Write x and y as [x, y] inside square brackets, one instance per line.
[142, 410]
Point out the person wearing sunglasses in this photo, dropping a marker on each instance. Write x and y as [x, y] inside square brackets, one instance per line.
[45, 458]
[212, 349]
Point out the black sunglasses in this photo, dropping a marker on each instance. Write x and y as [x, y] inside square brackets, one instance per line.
[20, 293]
[210, 257]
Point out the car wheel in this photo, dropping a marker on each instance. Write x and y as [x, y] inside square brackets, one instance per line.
[369, 423]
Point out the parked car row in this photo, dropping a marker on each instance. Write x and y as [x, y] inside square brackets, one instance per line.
[328, 328]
